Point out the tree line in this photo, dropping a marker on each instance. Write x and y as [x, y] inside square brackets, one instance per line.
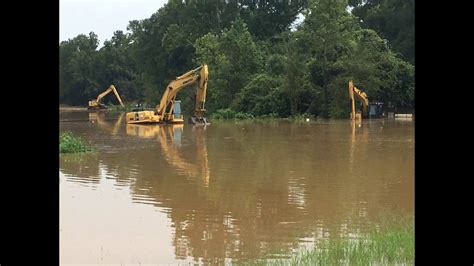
[261, 62]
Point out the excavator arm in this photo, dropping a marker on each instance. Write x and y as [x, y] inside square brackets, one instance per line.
[117, 95]
[199, 108]
[360, 95]
[96, 103]
[199, 75]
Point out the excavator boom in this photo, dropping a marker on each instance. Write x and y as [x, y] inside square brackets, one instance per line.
[94, 104]
[199, 108]
[117, 95]
[361, 96]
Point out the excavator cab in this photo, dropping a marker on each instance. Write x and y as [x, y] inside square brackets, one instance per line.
[376, 110]
[177, 116]
[94, 105]
[138, 107]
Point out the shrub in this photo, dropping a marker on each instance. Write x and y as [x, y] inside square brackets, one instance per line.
[228, 113]
[68, 143]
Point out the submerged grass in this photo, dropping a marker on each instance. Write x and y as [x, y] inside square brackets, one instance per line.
[68, 143]
[390, 243]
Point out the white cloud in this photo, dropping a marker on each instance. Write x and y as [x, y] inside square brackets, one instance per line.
[103, 17]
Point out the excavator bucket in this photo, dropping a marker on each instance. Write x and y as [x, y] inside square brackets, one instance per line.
[198, 121]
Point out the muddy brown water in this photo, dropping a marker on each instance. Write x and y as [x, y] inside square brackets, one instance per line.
[231, 191]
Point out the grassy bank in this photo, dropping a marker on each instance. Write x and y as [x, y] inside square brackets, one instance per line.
[68, 143]
[390, 243]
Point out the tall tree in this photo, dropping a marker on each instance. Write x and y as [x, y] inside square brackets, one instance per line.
[394, 20]
[233, 58]
[119, 67]
[78, 62]
[265, 18]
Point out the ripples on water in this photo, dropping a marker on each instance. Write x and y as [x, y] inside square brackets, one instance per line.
[164, 194]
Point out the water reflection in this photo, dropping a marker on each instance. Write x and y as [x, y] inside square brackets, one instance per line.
[273, 186]
[99, 118]
[359, 136]
[80, 169]
[169, 138]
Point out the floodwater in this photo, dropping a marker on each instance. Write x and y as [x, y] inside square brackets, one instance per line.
[227, 192]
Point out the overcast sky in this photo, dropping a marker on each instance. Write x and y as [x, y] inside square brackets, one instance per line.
[103, 17]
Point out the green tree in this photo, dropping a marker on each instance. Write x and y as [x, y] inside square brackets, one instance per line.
[263, 95]
[394, 20]
[118, 67]
[78, 62]
[342, 50]
[233, 58]
[266, 18]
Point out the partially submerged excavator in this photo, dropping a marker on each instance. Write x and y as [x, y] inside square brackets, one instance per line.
[375, 109]
[169, 109]
[362, 97]
[96, 104]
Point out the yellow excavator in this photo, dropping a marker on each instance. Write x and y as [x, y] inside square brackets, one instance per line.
[96, 104]
[169, 110]
[362, 97]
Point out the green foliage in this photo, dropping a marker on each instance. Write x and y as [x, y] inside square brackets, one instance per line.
[119, 68]
[393, 20]
[68, 143]
[233, 58]
[343, 50]
[263, 95]
[275, 64]
[302, 117]
[268, 18]
[257, 65]
[230, 114]
[85, 72]
[78, 78]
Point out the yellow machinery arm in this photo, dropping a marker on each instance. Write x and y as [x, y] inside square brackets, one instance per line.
[118, 96]
[110, 89]
[201, 94]
[163, 112]
[360, 95]
[97, 104]
[199, 74]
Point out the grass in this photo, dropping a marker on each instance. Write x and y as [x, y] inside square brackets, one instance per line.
[68, 143]
[390, 243]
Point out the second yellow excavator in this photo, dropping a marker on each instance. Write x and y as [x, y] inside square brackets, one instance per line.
[362, 97]
[96, 104]
[169, 110]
